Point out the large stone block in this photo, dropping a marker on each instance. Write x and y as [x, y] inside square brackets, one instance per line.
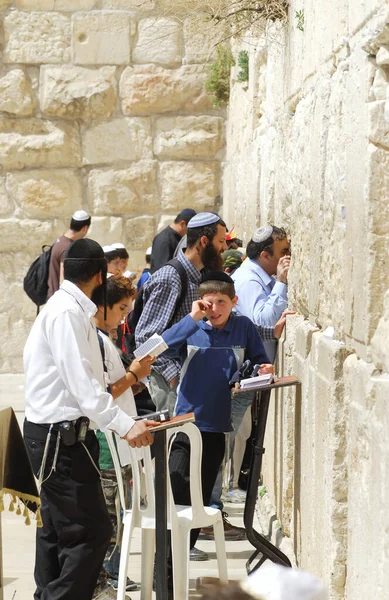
[153, 89]
[5, 4]
[106, 230]
[36, 37]
[140, 232]
[379, 342]
[378, 131]
[25, 234]
[16, 94]
[194, 184]
[65, 5]
[101, 38]
[188, 137]
[159, 41]
[164, 221]
[36, 143]
[143, 6]
[77, 92]
[46, 193]
[126, 191]
[117, 140]
[199, 37]
[6, 206]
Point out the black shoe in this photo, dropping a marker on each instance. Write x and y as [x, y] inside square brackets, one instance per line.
[131, 585]
[231, 533]
[197, 555]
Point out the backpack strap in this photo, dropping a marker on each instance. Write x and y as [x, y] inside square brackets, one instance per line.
[102, 350]
[179, 267]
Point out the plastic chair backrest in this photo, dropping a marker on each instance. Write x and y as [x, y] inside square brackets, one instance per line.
[196, 451]
[136, 455]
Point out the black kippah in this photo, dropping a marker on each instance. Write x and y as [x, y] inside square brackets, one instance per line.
[217, 276]
[84, 249]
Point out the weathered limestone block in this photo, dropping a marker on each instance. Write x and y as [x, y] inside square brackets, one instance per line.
[106, 230]
[64, 5]
[5, 4]
[140, 232]
[378, 130]
[379, 342]
[25, 234]
[380, 84]
[101, 38]
[46, 193]
[117, 140]
[6, 206]
[16, 94]
[143, 6]
[126, 191]
[159, 41]
[199, 40]
[189, 184]
[36, 37]
[188, 137]
[164, 221]
[153, 89]
[37, 143]
[382, 57]
[77, 92]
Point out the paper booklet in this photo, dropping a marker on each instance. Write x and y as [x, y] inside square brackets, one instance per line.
[154, 346]
[256, 381]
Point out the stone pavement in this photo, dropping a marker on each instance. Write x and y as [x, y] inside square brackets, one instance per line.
[19, 539]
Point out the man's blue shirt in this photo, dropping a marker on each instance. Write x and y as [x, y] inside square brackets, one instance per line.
[210, 357]
[261, 298]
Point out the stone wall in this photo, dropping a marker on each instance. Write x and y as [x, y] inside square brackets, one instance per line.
[102, 107]
[308, 148]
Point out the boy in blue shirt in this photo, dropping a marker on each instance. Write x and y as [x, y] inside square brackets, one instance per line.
[212, 350]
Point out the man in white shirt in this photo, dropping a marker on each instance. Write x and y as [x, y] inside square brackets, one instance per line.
[65, 383]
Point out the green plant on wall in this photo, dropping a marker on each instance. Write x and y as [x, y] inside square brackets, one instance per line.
[299, 14]
[243, 63]
[218, 80]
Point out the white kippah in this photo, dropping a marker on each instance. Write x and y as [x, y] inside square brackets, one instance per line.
[273, 582]
[108, 249]
[262, 234]
[80, 215]
[149, 250]
[203, 219]
[118, 245]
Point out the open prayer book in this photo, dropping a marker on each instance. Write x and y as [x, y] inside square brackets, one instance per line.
[257, 381]
[153, 347]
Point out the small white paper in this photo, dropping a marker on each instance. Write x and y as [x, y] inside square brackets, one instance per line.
[256, 381]
[153, 347]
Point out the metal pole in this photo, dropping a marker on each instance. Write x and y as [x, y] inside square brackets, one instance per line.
[161, 515]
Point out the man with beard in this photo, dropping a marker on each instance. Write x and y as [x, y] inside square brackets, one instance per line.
[163, 305]
[65, 388]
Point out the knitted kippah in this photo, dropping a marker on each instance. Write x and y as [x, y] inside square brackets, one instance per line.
[203, 219]
[80, 215]
[262, 234]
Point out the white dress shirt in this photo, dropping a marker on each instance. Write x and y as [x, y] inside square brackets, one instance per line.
[63, 365]
[126, 401]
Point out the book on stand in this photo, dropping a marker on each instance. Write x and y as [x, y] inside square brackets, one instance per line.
[257, 381]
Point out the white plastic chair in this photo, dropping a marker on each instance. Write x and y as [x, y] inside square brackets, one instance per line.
[196, 516]
[142, 516]
[181, 519]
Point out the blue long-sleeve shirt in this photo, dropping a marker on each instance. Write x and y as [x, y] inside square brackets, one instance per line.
[210, 357]
[260, 298]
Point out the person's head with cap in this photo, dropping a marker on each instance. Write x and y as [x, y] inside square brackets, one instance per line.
[79, 224]
[206, 241]
[123, 254]
[85, 265]
[112, 254]
[181, 221]
[267, 246]
[233, 242]
[232, 259]
[217, 290]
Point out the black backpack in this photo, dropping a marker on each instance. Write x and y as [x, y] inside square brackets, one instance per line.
[35, 283]
[134, 316]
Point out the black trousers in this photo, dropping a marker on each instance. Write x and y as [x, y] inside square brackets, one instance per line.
[71, 545]
[213, 453]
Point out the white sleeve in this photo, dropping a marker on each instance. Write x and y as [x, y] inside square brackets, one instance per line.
[72, 355]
